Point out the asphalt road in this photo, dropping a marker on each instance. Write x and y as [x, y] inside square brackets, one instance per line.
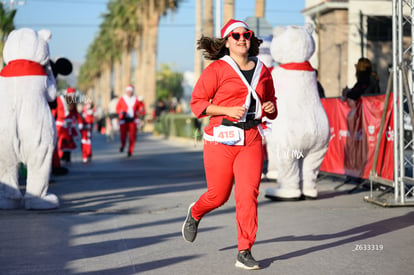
[124, 216]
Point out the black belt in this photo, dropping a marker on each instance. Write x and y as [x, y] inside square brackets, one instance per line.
[128, 119]
[242, 125]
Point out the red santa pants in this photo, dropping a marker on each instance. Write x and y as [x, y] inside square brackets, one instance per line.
[87, 143]
[65, 142]
[130, 129]
[55, 159]
[242, 165]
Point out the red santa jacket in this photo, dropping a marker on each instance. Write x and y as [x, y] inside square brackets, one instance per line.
[127, 109]
[66, 119]
[222, 83]
[88, 117]
[141, 108]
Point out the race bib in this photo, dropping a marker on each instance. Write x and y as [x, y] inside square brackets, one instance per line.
[229, 135]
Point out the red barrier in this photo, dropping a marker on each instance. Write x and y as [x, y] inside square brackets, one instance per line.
[354, 134]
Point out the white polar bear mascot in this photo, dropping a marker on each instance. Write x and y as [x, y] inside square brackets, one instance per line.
[26, 124]
[300, 133]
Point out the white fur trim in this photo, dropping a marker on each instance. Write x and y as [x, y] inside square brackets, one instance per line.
[234, 26]
[129, 88]
[65, 105]
[85, 141]
[251, 88]
[130, 102]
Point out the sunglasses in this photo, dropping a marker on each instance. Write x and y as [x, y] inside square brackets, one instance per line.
[237, 35]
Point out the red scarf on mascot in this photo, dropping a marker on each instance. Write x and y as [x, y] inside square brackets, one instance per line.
[304, 66]
[22, 67]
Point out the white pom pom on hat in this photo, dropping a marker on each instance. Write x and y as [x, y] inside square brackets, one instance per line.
[129, 88]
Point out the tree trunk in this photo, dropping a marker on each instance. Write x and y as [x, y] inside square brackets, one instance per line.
[198, 57]
[118, 90]
[106, 86]
[126, 67]
[151, 74]
[228, 10]
[139, 65]
[145, 63]
[260, 8]
[208, 26]
[149, 58]
[98, 91]
[90, 93]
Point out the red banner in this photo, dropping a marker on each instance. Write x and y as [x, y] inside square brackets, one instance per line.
[354, 134]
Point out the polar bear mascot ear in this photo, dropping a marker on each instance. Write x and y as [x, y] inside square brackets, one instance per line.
[279, 30]
[27, 44]
[43, 42]
[46, 35]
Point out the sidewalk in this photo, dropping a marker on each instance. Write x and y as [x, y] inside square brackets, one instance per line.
[124, 216]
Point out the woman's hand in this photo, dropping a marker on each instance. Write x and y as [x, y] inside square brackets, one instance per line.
[269, 107]
[236, 112]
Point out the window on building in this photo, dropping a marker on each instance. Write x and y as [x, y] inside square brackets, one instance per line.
[380, 28]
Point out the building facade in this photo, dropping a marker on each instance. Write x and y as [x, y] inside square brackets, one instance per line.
[346, 30]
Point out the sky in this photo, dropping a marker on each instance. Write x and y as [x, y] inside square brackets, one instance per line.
[75, 23]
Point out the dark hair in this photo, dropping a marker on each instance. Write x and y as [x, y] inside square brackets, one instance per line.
[215, 48]
[363, 68]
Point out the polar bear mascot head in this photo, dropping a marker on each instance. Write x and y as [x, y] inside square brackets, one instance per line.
[300, 133]
[26, 124]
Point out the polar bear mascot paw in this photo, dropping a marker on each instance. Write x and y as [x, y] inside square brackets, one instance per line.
[300, 133]
[49, 201]
[27, 127]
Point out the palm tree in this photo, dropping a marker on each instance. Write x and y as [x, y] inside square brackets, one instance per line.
[198, 58]
[95, 73]
[125, 24]
[151, 11]
[6, 27]
[108, 52]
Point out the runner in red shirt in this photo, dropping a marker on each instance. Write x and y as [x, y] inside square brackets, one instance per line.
[236, 90]
[128, 110]
[67, 116]
[88, 113]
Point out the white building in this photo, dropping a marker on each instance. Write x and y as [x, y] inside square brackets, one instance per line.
[345, 31]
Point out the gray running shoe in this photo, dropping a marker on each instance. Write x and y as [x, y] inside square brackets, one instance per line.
[245, 260]
[190, 226]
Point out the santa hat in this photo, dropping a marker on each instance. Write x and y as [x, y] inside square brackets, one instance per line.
[231, 25]
[70, 90]
[129, 88]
